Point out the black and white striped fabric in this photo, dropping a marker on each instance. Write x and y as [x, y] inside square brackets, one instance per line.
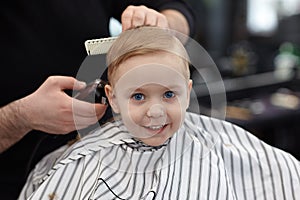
[206, 159]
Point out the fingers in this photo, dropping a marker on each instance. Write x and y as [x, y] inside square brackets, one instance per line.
[86, 109]
[135, 16]
[86, 113]
[82, 115]
[53, 111]
[162, 22]
[100, 110]
[65, 82]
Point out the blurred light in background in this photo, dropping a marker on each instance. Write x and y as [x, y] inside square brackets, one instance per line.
[263, 15]
[115, 27]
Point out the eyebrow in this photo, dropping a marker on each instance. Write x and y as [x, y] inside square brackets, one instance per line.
[168, 87]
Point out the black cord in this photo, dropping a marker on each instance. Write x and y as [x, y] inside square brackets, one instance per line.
[34, 151]
[154, 193]
[110, 188]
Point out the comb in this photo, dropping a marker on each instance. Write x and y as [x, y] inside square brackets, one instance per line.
[98, 46]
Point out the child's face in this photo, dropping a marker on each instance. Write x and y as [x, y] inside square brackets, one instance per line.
[152, 95]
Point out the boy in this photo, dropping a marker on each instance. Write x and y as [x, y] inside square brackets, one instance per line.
[158, 150]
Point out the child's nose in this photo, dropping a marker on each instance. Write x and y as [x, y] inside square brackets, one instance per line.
[156, 110]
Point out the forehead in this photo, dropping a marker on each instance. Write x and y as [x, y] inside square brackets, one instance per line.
[151, 65]
[136, 73]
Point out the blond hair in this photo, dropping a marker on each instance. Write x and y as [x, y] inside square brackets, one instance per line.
[141, 41]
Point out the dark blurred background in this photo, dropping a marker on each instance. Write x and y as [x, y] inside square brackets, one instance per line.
[256, 47]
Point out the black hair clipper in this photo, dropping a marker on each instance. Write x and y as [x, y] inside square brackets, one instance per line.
[93, 92]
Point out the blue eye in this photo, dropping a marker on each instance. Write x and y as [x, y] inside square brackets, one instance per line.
[138, 97]
[169, 94]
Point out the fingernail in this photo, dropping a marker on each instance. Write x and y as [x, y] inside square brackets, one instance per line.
[81, 83]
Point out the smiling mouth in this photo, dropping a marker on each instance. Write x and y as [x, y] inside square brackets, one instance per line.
[156, 127]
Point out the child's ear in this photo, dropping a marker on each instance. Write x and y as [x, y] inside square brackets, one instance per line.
[111, 98]
[190, 86]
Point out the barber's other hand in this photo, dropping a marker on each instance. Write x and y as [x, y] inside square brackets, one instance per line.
[134, 16]
[50, 109]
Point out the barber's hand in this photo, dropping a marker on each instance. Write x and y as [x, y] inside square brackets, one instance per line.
[51, 110]
[134, 16]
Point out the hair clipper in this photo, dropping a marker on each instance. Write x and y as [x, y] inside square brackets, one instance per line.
[93, 92]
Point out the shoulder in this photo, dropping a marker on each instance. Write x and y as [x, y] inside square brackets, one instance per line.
[101, 138]
[247, 158]
[236, 141]
[86, 148]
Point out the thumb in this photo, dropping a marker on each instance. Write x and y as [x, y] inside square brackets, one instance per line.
[69, 83]
[78, 85]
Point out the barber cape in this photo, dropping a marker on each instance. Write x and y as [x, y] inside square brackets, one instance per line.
[205, 159]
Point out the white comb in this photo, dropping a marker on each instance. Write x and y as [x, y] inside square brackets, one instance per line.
[99, 46]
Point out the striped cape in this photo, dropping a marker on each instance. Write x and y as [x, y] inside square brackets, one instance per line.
[205, 159]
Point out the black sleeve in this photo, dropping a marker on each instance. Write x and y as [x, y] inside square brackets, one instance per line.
[182, 6]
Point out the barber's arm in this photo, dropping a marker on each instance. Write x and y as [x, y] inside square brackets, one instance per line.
[12, 125]
[177, 21]
[48, 109]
